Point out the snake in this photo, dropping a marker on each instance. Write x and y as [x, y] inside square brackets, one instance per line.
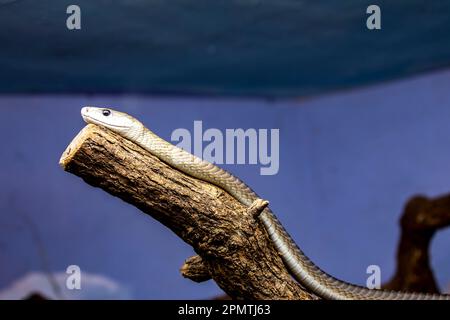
[301, 268]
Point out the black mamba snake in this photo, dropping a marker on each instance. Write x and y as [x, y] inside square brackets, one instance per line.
[300, 266]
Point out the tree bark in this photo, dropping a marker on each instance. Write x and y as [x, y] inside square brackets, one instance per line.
[232, 246]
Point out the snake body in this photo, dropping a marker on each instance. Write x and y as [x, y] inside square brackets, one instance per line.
[300, 266]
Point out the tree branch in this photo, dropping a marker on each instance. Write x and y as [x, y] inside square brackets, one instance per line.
[232, 245]
[421, 218]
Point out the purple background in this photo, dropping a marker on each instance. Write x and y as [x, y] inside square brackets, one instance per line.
[348, 163]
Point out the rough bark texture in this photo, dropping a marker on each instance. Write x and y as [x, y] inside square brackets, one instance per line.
[420, 220]
[232, 244]
[195, 269]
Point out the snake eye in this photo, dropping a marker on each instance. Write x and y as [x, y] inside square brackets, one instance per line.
[106, 112]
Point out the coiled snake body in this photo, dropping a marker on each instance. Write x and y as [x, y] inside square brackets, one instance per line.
[300, 266]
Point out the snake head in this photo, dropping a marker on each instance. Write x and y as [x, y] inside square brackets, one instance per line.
[116, 121]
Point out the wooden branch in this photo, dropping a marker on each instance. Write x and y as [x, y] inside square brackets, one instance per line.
[421, 218]
[194, 268]
[232, 244]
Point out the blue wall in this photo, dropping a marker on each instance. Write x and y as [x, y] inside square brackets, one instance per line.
[348, 164]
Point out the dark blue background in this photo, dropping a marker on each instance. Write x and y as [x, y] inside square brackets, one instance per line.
[241, 47]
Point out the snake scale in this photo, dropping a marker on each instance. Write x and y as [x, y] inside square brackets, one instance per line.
[300, 266]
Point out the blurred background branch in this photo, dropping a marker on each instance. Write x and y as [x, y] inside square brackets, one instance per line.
[420, 220]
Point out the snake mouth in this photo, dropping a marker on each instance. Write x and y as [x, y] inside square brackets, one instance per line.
[100, 122]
